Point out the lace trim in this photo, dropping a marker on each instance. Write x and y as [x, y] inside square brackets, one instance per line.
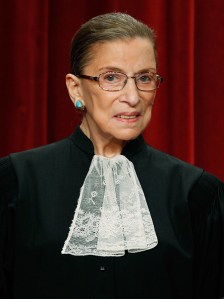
[112, 214]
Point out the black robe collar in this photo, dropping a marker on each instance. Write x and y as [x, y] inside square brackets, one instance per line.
[86, 145]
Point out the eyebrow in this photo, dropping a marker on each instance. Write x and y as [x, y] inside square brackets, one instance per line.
[112, 68]
[116, 69]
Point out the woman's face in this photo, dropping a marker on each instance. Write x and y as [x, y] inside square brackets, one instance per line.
[124, 114]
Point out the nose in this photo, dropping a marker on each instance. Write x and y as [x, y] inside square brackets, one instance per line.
[130, 93]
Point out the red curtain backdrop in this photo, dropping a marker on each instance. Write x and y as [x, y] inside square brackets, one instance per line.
[34, 58]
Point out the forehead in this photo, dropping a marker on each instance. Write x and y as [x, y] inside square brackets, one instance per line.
[131, 54]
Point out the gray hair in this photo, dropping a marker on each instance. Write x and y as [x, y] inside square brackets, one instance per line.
[102, 28]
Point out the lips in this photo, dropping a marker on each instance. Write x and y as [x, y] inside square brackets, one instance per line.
[128, 115]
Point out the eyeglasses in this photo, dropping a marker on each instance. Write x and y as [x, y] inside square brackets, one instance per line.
[115, 81]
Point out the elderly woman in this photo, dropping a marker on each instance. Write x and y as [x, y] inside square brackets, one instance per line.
[101, 214]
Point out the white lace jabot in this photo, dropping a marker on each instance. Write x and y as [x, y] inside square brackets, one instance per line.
[112, 214]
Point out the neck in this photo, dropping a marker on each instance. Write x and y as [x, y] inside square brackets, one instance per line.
[103, 145]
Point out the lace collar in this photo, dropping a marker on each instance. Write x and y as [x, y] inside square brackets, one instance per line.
[112, 213]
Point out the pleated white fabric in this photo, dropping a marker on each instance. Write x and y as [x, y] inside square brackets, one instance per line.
[112, 214]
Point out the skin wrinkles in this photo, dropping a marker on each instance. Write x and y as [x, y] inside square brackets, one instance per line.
[106, 120]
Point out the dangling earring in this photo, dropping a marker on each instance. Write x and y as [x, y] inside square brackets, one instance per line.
[79, 105]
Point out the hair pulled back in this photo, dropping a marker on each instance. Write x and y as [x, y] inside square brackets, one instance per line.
[103, 28]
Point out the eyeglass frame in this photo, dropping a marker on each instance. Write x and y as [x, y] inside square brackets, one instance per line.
[97, 79]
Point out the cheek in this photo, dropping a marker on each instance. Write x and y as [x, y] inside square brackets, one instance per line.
[148, 109]
[88, 93]
[149, 102]
[147, 116]
[94, 98]
[98, 108]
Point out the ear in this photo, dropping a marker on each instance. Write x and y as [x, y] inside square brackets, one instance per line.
[74, 87]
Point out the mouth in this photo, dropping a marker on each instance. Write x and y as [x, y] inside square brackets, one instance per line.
[128, 117]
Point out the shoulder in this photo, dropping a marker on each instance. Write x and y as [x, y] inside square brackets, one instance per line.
[207, 193]
[7, 174]
[41, 156]
[17, 163]
[169, 160]
[42, 151]
[164, 173]
[168, 165]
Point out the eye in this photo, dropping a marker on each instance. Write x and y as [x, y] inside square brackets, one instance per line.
[111, 77]
[145, 78]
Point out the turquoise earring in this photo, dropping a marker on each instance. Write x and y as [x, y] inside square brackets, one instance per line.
[79, 105]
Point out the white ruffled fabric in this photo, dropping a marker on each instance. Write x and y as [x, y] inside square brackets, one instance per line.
[112, 214]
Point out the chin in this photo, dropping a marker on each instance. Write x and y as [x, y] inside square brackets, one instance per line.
[131, 132]
[126, 136]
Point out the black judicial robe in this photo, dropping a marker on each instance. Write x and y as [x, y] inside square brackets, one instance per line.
[39, 190]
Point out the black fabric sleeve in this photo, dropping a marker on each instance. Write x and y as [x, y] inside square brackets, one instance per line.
[8, 186]
[206, 204]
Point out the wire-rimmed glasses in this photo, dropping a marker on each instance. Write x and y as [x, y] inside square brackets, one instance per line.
[116, 81]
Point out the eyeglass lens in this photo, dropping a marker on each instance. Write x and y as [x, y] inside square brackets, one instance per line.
[116, 81]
